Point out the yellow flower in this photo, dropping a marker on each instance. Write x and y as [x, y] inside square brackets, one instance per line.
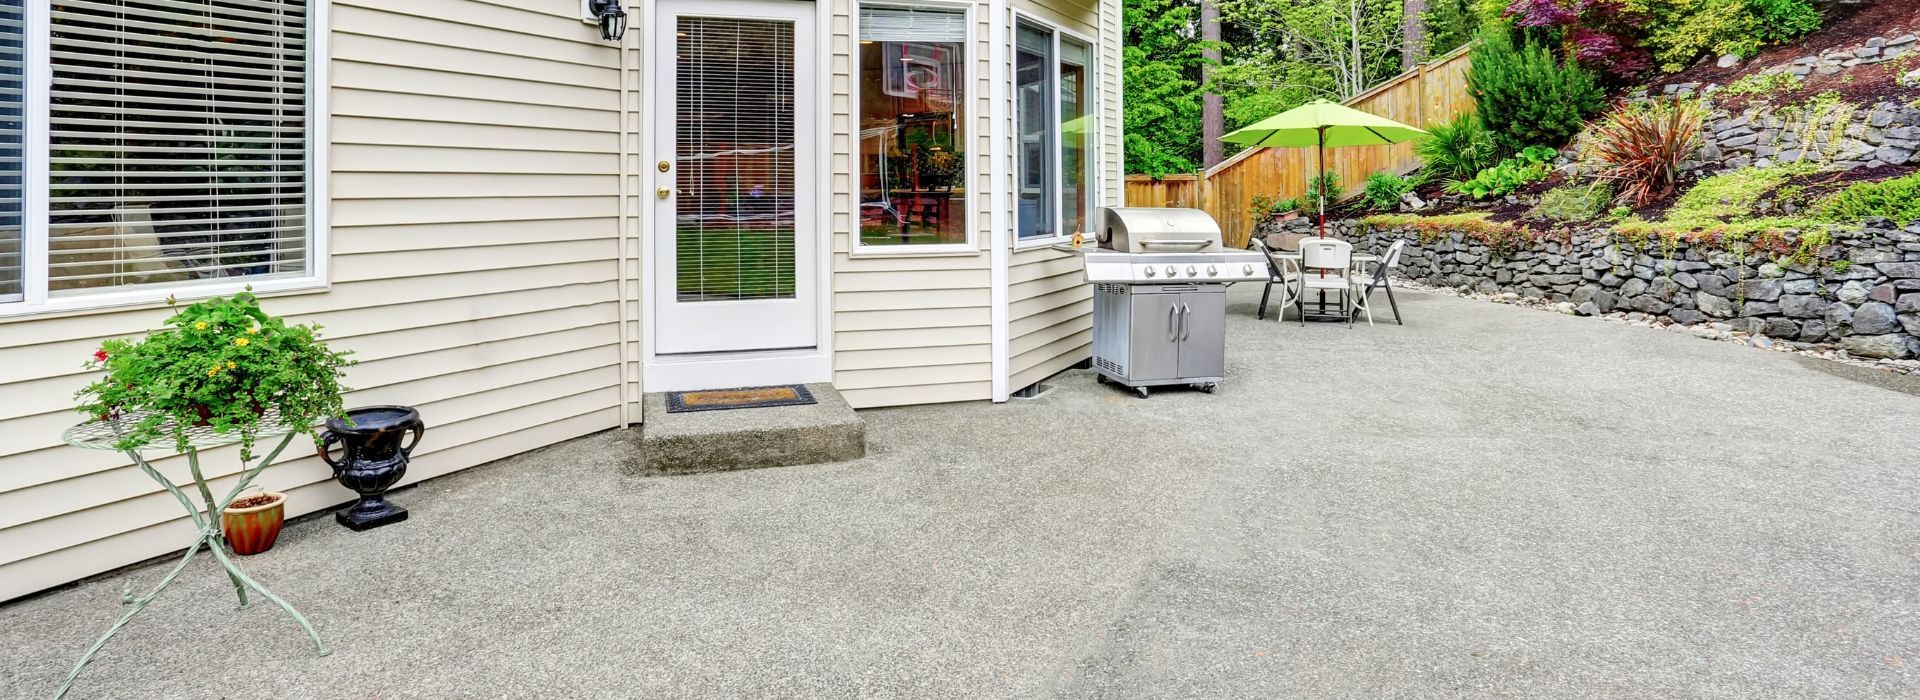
[199, 325]
[213, 370]
[242, 342]
[231, 365]
[253, 331]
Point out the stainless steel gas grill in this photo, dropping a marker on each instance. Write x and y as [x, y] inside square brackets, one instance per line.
[1160, 297]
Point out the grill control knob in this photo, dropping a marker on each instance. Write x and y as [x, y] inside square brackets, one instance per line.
[1246, 269]
[1149, 270]
[1213, 271]
[1192, 272]
[1172, 272]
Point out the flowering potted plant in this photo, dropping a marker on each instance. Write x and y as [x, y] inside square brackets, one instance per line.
[221, 363]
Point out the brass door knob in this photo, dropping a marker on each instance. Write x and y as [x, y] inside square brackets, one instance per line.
[664, 192]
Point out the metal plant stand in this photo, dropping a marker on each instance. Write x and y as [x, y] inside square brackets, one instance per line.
[106, 434]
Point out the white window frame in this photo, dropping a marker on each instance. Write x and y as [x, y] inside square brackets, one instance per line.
[970, 167]
[35, 175]
[1094, 131]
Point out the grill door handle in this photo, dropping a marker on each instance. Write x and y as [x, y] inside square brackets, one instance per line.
[1186, 322]
[1173, 329]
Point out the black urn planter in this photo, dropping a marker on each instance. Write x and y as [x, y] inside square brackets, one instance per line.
[373, 461]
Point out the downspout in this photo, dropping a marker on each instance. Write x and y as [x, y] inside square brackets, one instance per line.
[624, 224]
[1000, 172]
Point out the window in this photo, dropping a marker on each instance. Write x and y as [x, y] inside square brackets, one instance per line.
[176, 149]
[1053, 99]
[913, 171]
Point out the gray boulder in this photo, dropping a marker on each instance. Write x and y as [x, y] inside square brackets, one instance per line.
[1840, 320]
[1803, 306]
[1889, 346]
[1713, 305]
[1782, 328]
[1874, 318]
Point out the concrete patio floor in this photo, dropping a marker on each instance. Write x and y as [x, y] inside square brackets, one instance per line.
[1491, 501]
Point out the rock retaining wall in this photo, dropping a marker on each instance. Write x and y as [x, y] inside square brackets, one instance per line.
[1868, 305]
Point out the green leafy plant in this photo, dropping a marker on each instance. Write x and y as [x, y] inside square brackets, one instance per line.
[1500, 180]
[1764, 84]
[1730, 196]
[1537, 155]
[1458, 148]
[222, 363]
[1322, 188]
[1573, 202]
[1897, 199]
[1679, 31]
[1266, 206]
[1642, 146]
[1385, 190]
[1526, 95]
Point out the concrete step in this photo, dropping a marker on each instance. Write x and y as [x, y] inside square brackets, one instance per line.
[750, 438]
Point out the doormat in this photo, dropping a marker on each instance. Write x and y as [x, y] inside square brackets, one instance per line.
[745, 397]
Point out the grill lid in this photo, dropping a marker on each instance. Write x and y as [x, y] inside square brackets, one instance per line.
[1158, 230]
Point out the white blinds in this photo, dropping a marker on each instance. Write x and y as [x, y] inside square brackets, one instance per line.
[178, 141]
[734, 133]
[12, 131]
[910, 24]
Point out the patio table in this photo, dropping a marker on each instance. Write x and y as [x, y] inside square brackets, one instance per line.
[1321, 312]
[107, 435]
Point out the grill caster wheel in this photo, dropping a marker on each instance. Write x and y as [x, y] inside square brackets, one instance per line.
[1142, 390]
[1100, 378]
[1208, 387]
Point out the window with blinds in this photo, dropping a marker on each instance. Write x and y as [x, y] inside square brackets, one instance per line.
[12, 141]
[177, 142]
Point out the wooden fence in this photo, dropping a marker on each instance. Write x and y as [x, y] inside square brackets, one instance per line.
[1434, 92]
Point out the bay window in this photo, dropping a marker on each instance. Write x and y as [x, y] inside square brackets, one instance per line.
[169, 151]
[1053, 102]
[912, 93]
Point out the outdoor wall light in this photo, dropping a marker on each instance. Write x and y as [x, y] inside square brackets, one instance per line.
[613, 18]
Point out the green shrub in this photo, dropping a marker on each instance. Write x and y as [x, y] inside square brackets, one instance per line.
[1680, 31]
[1729, 196]
[1384, 191]
[1458, 148]
[1527, 96]
[1266, 206]
[1325, 188]
[1897, 199]
[1502, 179]
[1573, 202]
[1765, 84]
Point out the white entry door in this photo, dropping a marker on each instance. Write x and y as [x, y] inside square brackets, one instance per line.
[736, 267]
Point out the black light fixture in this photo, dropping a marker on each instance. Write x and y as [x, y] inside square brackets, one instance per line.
[613, 18]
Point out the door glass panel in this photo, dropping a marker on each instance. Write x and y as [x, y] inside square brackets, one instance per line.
[1076, 161]
[734, 214]
[1034, 118]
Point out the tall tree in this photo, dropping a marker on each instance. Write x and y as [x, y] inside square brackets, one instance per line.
[1413, 33]
[1212, 103]
[1160, 74]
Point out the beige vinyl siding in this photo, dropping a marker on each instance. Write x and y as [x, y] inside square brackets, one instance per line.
[1051, 306]
[475, 157]
[910, 329]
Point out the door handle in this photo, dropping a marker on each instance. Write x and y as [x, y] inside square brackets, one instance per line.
[663, 192]
[1186, 322]
[1173, 329]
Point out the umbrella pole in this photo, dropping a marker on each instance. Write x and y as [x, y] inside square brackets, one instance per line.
[1319, 190]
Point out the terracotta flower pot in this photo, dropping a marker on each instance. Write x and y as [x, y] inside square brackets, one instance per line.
[252, 529]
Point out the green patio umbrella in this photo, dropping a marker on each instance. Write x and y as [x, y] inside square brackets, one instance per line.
[1321, 124]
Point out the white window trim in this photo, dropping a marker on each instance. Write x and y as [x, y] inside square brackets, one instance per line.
[971, 246]
[1094, 133]
[34, 212]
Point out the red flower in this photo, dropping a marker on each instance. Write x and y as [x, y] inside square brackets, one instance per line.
[100, 355]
